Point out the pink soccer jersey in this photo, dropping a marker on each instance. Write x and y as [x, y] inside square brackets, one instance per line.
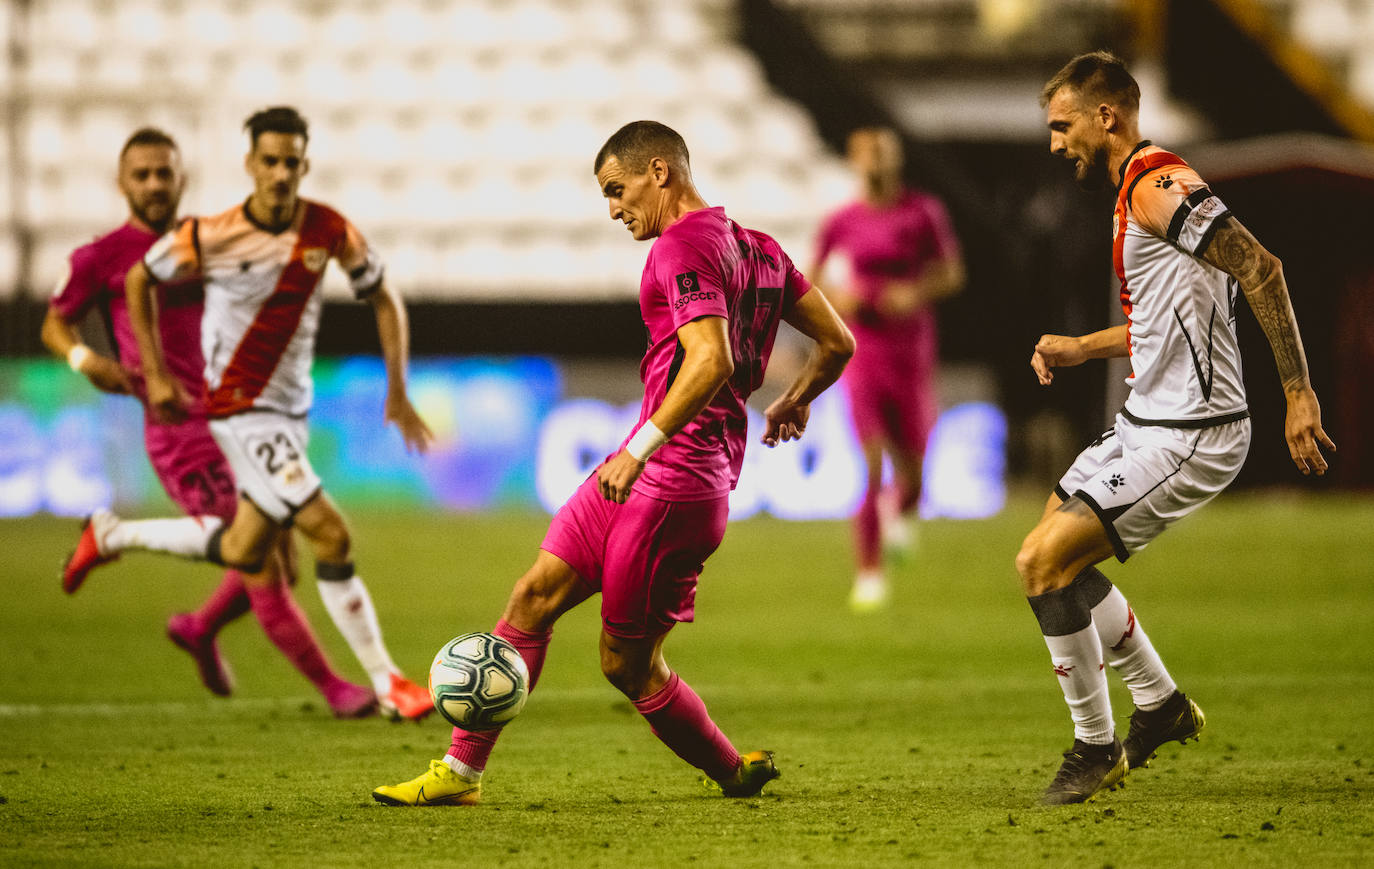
[262, 299]
[706, 265]
[95, 279]
[883, 244]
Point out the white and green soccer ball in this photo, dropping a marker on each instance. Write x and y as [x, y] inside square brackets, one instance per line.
[478, 682]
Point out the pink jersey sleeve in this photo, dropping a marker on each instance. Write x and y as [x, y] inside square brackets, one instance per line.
[79, 288]
[1173, 202]
[691, 283]
[797, 286]
[359, 262]
[825, 239]
[946, 242]
[176, 255]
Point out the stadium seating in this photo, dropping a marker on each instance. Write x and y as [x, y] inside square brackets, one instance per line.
[458, 135]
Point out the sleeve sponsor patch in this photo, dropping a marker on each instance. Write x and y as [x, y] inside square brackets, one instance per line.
[689, 290]
[1210, 208]
[1192, 224]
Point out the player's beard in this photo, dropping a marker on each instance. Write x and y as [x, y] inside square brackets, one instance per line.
[158, 214]
[1091, 174]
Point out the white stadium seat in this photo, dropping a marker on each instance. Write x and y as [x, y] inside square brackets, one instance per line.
[462, 129]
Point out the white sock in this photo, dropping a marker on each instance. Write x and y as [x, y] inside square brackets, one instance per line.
[462, 769]
[1130, 652]
[1077, 660]
[870, 576]
[350, 606]
[187, 537]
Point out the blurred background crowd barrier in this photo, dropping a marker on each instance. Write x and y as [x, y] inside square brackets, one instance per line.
[459, 137]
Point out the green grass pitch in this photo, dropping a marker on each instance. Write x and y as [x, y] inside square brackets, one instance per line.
[923, 734]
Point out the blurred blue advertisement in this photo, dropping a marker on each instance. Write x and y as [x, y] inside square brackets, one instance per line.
[506, 436]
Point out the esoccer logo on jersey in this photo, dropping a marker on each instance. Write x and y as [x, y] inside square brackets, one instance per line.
[689, 290]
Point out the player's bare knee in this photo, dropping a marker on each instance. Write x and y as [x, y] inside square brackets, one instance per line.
[332, 543]
[242, 555]
[1035, 567]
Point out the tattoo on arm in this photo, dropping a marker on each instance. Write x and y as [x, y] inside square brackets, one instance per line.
[1235, 251]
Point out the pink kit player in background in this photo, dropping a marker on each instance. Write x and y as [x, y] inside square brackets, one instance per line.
[903, 258]
[262, 263]
[185, 457]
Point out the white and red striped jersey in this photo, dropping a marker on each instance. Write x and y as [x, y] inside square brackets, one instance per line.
[1180, 311]
[262, 299]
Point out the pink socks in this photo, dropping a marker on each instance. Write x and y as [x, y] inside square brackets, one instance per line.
[227, 602]
[679, 719]
[472, 749]
[285, 625]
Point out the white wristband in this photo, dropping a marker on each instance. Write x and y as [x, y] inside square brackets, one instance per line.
[646, 441]
[77, 356]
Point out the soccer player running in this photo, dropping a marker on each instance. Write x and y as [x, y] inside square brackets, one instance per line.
[261, 263]
[904, 258]
[1182, 259]
[640, 527]
[183, 454]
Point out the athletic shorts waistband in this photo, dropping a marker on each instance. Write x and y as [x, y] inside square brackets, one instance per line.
[1209, 422]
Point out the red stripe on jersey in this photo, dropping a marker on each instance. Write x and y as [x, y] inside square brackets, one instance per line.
[1133, 172]
[267, 338]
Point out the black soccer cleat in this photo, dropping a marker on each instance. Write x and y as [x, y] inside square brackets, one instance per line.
[1178, 719]
[1086, 770]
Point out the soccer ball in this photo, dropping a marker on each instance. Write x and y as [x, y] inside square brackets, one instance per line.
[478, 682]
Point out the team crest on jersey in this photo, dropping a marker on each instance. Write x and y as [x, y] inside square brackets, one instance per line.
[314, 258]
[293, 474]
[1116, 224]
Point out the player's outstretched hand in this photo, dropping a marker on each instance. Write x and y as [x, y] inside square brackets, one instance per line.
[1303, 429]
[1055, 351]
[414, 431]
[784, 420]
[616, 476]
[167, 398]
[107, 375]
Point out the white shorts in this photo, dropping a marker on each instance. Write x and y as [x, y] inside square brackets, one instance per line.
[1140, 479]
[267, 454]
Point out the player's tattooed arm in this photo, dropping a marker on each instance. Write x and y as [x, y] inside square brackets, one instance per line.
[1260, 275]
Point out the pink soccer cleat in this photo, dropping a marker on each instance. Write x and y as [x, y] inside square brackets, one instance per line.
[201, 646]
[347, 700]
[88, 555]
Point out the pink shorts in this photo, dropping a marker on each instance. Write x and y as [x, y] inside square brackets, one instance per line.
[644, 556]
[891, 403]
[191, 467]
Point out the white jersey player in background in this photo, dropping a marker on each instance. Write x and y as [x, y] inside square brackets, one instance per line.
[1182, 260]
[261, 263]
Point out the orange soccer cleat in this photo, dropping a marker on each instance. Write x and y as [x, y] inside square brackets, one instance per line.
[406, 700]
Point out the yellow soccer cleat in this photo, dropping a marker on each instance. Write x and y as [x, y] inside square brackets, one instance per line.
[755, 770]
[439, 786]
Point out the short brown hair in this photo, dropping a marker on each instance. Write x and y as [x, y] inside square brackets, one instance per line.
[638, 142]
[277, 119]
[1098, 77]
[147, 136]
